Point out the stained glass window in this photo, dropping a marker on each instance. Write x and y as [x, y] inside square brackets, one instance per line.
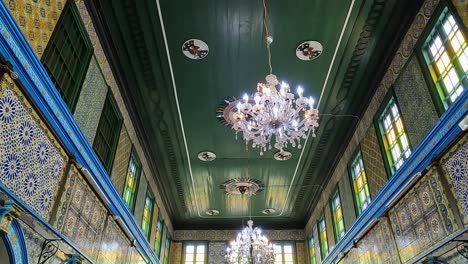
[284, 253]
[131, 182]
[447, 55]
[159, 230]
[195, 253]
[167, 249]
[394, 136]
[360, 187]
[313, 260]
[322, 236]
[337, 214]
[147, 213]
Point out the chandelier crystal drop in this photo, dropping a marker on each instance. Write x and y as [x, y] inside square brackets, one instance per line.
[274, 112]
[250, 247]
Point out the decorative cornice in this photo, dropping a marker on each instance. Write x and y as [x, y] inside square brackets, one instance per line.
[227, 235]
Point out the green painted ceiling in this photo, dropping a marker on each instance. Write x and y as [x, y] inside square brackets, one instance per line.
[135, 40]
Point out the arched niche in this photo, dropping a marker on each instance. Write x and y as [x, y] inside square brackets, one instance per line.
[13, 246]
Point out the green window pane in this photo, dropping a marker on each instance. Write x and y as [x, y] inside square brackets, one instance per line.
[147, 214]
[131, 182]
[159, 229]
[322, 237]
[68, 54]
[394, 136]
[446, 55]
[337, 214]
[360, 187]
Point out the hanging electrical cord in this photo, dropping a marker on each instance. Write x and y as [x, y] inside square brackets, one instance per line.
[268, 37]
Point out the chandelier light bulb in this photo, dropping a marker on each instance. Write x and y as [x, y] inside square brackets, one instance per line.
[311, 102]
[300, 91]
[246, 98]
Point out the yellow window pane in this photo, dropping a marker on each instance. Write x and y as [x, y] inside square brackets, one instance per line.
[359, 182]
[399, 125]
[200, 257]
[190, 249]
[391, 136]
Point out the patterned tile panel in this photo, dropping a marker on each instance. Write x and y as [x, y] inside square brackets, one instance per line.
[37, 20]
[422, 217]
[122, 157]
[373, 162]
[81, 216]
[415, 102]
[176, 253]
[377, 246]
[216, 252]
[455, 167]
[114, 245]
[301, 253]
[32, 161]
[91, 101]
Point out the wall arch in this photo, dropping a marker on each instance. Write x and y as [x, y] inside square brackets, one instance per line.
[14, 245]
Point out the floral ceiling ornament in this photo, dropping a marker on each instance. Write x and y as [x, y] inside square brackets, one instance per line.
[273, 115]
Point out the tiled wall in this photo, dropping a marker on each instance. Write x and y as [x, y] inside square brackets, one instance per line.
[373, 162]
[423, 226]
[422, 217]
[122, 157]
[37, 20]
[415, 102]
[91, 101]
[216, 252]
[455, 168]
[32, 160]
[81, 216]
[378, 246]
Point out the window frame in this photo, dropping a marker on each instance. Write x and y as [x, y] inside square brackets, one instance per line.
[88, 52]
[358, 151]
[167, 247]
[194, 243]
[149, 194]
[380, 137]
[323, 254]
[159, 230]
[286, 243]
[137, 179]
[336, 193]
[109, 102]
[420, 51]
[311, 245]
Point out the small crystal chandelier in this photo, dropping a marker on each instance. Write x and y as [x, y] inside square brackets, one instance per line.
[250, 247]
[274, 112]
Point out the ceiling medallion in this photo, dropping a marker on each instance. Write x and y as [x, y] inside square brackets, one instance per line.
[273, 116]
[268, 211]
[242, 187]
[206, 156]
[309, 50]
[212, 212]
[195, 49]
[282, 155]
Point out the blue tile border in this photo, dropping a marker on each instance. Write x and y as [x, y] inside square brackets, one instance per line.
[16, 49]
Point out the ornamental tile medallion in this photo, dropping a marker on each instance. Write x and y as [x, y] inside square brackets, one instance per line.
[422, 217]
[455, 168]
[32, 161]
[81, 215]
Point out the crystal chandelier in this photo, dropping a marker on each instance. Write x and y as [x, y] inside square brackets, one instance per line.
[250, 247]
[274, 112]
